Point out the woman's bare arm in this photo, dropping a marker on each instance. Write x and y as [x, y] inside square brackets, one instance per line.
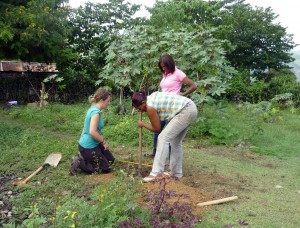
[192, 86]
[154, 119]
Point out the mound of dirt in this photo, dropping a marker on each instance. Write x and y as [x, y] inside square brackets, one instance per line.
[196, 195]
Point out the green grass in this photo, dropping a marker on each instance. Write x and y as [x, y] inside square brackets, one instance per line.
[253, 180]
[280, 139]
[232, 151]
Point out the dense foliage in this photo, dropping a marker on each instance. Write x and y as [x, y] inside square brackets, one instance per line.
[198, 54]
[259, 43]
[103, 44]
[95, 26]
[34, 30]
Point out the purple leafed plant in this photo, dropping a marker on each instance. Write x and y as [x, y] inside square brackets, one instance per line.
[167, 211]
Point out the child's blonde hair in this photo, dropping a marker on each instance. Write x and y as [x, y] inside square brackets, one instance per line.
[100, 94]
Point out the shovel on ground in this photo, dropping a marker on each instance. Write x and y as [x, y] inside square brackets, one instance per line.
[52, 160]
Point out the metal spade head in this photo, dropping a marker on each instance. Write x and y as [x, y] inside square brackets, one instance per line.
[53, 159]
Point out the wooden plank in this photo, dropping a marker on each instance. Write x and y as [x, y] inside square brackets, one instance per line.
[218, 201]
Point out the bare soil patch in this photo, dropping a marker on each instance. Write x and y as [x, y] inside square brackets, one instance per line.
[196, 194]
[5, 196]
[200, 187]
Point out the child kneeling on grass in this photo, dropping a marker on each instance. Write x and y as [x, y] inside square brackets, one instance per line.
[94, 153]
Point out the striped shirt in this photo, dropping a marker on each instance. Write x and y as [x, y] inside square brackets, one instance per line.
[167, 105]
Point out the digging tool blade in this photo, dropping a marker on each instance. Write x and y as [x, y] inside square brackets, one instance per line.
[52, 160]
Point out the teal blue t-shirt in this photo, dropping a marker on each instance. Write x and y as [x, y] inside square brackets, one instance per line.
[86, 140]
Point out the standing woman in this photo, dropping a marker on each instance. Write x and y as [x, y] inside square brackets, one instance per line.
[172, 81]
[93, 148]
[180, 112]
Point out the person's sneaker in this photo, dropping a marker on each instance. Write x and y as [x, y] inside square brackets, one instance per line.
[169, 174]
[149, 178]
[75, 162]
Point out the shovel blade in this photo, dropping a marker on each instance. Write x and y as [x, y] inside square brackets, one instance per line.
[53, 159]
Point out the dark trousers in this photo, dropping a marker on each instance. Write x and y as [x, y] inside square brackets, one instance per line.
[95, 159]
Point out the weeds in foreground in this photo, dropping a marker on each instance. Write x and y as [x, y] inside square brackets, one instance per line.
[30, 136]
[166, 209]
[114, 204]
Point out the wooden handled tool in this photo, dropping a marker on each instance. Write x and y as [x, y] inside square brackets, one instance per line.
[140, 148]
[218, 201]
[52, 160]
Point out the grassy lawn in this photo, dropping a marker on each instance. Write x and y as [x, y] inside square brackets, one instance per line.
[231, 152]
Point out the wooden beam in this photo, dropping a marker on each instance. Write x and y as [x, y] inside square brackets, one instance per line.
[218, 201]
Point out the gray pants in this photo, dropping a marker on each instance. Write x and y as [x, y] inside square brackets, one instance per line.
[174, 134]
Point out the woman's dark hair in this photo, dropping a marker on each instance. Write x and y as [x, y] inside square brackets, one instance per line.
[168, 61]
[138, 97]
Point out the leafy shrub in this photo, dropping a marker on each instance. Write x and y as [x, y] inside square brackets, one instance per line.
[264, 110]
[198, 128]
[255, 91]
[283, 82]
[247, 90]
[229, 124]
[283, 100]
[166, 209]
[213, 123]
[221, 131]
[258, 108]
[125, 127]
[237, 87]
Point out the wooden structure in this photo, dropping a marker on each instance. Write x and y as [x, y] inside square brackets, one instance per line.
[20, 80]
[7, 67]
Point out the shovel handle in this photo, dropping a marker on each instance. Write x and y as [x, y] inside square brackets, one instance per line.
[31, 176]
[140, 148]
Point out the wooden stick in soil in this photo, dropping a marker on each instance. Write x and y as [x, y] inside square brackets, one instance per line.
[140, 149]
[134, 163]
[218, 201]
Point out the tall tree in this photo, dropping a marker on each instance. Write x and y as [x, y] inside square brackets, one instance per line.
[94, 27]
[34, 30]
[132, 61]
[260, 44]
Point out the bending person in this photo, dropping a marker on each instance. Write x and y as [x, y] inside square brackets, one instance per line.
[180, 112]
[93, 148]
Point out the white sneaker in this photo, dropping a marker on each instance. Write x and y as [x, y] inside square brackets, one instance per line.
[149, 178]
[169, 174]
